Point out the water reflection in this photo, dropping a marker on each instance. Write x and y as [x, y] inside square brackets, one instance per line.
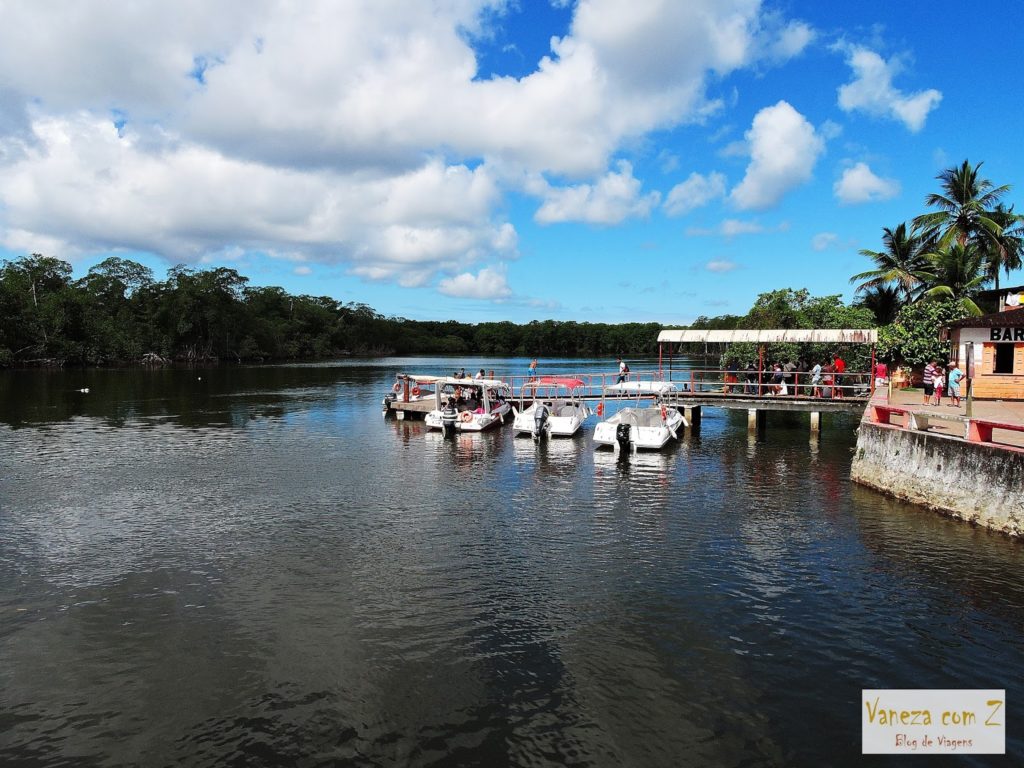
[256, 569]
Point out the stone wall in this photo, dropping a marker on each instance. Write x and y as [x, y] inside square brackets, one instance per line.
[982, 484]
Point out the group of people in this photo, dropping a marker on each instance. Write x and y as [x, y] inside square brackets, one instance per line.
[793, 378]
[461, 374]
[939, 379]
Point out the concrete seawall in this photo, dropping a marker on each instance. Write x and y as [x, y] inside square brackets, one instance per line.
[982, 484]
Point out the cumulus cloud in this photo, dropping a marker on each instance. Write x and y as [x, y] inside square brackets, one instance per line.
[488, 283]
[358, 134]
[695, 192]
[859, 184]
[872, 91]
[783, 150]
[613, 198]
[187, 202]
[730, 228]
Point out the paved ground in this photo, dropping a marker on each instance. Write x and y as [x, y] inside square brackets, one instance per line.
[1006, 411]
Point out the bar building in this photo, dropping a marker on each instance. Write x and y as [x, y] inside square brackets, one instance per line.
[993, 345]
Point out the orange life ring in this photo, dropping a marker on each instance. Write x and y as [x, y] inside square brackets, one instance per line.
[415, 391]
[465, 417]
[397, 388]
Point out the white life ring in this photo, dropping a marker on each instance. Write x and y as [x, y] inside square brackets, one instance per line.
[465, 417]
[397, 387]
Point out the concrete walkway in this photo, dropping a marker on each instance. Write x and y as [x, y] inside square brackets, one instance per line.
[1005, 411]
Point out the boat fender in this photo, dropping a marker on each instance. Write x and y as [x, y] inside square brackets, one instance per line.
[415, 391]
[664, 413]
[600, 409]
[466, 417]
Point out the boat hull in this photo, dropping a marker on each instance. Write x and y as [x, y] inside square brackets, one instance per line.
[478, 422]
[648, 431]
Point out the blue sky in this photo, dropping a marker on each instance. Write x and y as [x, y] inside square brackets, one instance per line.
[485, 160]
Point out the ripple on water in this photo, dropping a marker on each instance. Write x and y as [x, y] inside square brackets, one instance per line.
[268, 573]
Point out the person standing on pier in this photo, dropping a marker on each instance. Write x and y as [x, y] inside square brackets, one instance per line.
[623, 372]
[929, 381]
[955, 375]
[839, 366]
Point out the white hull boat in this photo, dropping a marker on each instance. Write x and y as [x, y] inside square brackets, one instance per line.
[469, 405]
[556, 410]
[640, 428]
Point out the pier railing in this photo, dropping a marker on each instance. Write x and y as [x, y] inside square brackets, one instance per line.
[707, 382]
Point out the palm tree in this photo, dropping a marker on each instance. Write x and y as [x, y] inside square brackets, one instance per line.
[966, 207]
[956, 272]
[884, 301]
[1004, 251]
[900, 264]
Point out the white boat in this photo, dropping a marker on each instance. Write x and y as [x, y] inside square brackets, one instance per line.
[556, 410]
[640, 428]
[469, 405]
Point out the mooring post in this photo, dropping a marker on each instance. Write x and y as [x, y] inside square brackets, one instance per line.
[815, 422]
[692, 415]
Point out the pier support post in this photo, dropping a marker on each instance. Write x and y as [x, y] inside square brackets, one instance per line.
[755, 420]
[692, 415]
[815, 422]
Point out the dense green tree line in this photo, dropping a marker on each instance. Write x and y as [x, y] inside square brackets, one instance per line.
[118, 312]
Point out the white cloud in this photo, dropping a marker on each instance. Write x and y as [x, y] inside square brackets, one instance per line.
[612, 199]
[695, 192]
[730, 228]
[872, 91]
[85, 186]
[824, 240]
[859, 184]
[783, 150]
[303, 271]
[489, 283]
[720, 265]
[791, 40]
[301, 130]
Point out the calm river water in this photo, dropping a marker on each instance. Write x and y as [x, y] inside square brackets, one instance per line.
[249, 566]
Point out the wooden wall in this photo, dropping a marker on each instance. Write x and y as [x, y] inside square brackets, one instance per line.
[1000, 386]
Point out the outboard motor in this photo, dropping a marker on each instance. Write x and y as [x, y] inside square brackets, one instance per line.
[448, 416]
[622, 437]
[540, 421]
[389, 398]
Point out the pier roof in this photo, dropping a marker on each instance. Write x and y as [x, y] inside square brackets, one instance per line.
[774, 335]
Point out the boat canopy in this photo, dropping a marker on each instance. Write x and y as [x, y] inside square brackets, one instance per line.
[773, 335]
[419, 378]
[468, 382]
[554, 381]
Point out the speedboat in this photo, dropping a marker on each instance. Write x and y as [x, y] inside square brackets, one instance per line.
[555, 411]
[640, 428]
[468, 405]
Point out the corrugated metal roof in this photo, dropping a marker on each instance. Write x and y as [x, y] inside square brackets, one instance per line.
[775, 335]
[1010, 318]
